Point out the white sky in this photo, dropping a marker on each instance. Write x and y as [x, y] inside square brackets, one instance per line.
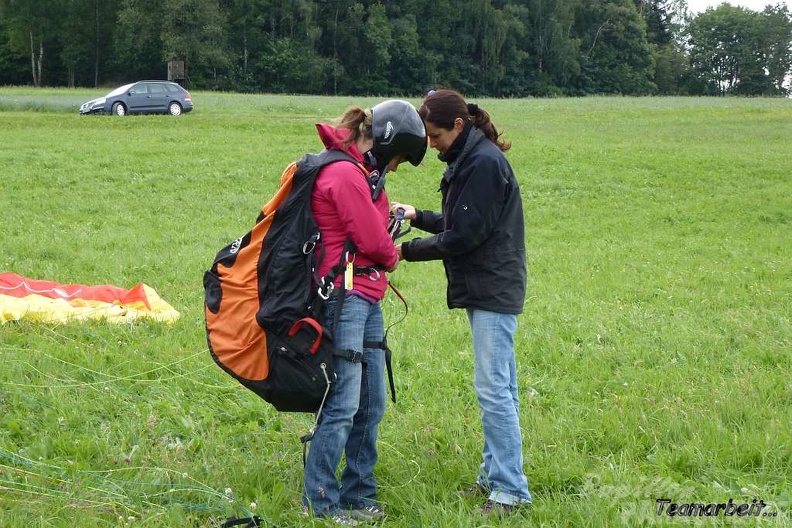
[696, 6]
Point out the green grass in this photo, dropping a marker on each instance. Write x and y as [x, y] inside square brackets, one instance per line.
[653, 354]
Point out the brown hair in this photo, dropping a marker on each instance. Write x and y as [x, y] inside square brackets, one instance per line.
[358, 122]
[443, 107]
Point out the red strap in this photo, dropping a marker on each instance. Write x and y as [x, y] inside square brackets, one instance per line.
[316, 326]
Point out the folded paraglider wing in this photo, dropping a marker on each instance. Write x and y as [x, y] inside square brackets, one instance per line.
[48, 301]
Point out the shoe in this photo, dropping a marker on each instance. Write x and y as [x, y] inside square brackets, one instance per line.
[497, 509]
[339, 518]
[476, 490]
[370, 513]
[343, 519]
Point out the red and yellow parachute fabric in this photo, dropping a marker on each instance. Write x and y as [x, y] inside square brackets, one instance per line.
[47, 301]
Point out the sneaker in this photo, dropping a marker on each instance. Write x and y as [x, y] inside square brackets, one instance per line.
[497, 509]
[339, 518]
[370, 513]
[343, 519]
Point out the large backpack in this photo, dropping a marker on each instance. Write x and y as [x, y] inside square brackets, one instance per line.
[262, 306]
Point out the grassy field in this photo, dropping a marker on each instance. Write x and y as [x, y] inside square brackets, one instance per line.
[654, 353]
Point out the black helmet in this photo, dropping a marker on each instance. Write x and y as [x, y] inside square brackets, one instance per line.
[398, 131]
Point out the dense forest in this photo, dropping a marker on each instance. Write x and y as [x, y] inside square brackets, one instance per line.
[401, 47]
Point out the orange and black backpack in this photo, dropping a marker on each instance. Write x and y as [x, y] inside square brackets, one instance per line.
[264, 302]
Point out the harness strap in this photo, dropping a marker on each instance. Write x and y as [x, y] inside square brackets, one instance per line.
[388, 361]
[316, 261]
[353, 356]
[384, 343]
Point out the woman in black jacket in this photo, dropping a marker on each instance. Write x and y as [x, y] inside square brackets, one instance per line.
[480, 237]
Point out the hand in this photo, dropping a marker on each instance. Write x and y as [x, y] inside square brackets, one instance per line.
[409, 210]
[399, 251]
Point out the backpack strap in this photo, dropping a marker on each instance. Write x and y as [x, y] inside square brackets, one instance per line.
[329, 279]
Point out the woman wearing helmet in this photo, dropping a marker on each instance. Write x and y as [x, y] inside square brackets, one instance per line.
[479, 235]
[350, 205]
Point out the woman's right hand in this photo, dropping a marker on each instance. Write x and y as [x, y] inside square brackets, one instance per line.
[409, 210]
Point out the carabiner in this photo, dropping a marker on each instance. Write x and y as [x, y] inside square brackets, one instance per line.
[325, 289]
[310, 244]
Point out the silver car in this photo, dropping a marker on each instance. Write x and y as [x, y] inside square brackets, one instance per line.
[142, 97]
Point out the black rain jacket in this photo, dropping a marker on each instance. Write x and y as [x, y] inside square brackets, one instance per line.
[480, 234]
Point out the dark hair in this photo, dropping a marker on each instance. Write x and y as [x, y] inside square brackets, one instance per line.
[358, 122]
[443, 107]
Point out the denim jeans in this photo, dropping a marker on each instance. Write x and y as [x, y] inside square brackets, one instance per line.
[351, 415]
[495, 381]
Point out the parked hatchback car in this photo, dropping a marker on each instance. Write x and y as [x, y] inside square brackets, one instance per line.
[142, 97]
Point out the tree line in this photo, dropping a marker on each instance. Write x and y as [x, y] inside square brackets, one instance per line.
[500, 48]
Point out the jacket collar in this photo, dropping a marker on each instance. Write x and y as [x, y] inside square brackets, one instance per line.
[472, 137]
[455, 150]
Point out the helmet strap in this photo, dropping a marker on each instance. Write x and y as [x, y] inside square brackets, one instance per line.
[376, 178]
[371, 159]
[376, 181]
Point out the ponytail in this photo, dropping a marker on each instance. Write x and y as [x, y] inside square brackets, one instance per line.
[481, 119]
[358, 122]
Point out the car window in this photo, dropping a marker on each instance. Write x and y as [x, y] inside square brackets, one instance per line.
[172, 88]
[120, 90]
[156, 89]
[140, 89]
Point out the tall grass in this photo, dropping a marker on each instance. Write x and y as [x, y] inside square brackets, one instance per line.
[653, 354]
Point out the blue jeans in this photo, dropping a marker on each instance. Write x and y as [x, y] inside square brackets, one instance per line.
[495, 381]
[351, 415]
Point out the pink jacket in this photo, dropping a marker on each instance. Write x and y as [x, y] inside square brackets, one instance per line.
[342, 206]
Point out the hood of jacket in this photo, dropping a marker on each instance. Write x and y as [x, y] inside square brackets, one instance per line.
[333, 139]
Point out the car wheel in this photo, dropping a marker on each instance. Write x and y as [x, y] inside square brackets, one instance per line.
[174, 109]
[119, 109]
